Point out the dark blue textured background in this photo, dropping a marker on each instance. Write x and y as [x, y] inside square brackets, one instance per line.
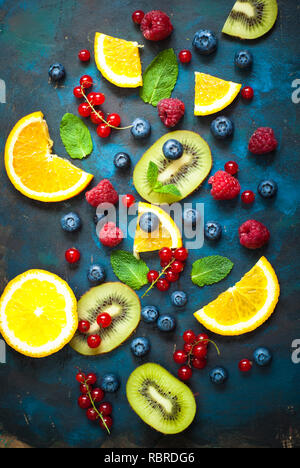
[38, 397]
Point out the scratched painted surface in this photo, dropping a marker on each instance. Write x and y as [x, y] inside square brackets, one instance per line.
[38, 397]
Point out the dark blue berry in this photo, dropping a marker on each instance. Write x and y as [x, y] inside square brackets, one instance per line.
[212, 230]
[191, 217]
[262, 356]
[172, 149]
[96, 274]
[57, 72]
[205, 41]
[243, 59]
[141, 128]
[70, 222]
[150, 314]
[222, 127]
[149, 222]
[140, 346]
[110, 383]
[218, 375]
[267, 188]
[166, 323]
[122, 161]
[179, 298]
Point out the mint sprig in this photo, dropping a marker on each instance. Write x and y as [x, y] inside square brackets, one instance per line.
[210, 270]
[156, 185]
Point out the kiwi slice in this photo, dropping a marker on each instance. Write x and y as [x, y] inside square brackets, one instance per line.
[161, 400]
[124, 307]
[250, 19]
[186, 173]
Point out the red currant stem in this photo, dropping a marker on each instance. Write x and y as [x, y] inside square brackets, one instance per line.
[201, 342]
[94, 406]
[98, 115]
[159, 276]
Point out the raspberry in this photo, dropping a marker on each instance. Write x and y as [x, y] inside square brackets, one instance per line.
[102, 193]
[253, 234]
[110, 235]
[262, 141]
[224, 186]
[156, 25]
[170, 111]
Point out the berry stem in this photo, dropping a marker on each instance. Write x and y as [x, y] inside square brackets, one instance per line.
[190, 353]
[94, 406]
[159, 276]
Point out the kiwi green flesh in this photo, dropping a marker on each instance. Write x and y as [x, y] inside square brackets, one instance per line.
[250, 19]
[186, 173]
[121, 302]
[160, 400]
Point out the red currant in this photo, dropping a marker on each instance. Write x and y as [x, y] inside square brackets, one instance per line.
[97, 117]
[108, 421]
[137, 16]
[203, 339]
[114, 119]
[181, 254]
[245, 365]
[97, 394]
[171, 276]
[86, 81]
[177, 266]
[200, 351]
[72, 255]
[247, 93]
[248, 196]
[90, 98]
[128, 200]
[92, 414]
[162, 284]
[94, 341]
[180, 356]
[98, 98]
[84, 388]
[185, 373]
[83, 326]
[103, 130]
[105, 409]
[84, 109]
[91, 378]
[199, 363]
[231, 167]
[152, 276]
[104, 320]
[188, 348]
[164, 263]
[84, 402]
[189, 336]
[165, 254]
[77, 91]
[80, 377]
[185, 56]
[84, 55]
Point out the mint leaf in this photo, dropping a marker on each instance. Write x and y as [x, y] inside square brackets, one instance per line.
[160, 77]
[152, 173]
[156, 186]
[209, 270]
[172, 189]
[75, 136]
[129, 269]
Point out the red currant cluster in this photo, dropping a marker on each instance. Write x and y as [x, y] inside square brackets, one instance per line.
[90, 397]
[231, 167]
[94, 340]
[172, 263]
[193, 354]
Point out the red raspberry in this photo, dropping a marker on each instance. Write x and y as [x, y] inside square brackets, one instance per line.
[170, 111]
[262, 141]
[110, 235]
[156, 25]
[253, 234]
[102, 193]
[224, 186]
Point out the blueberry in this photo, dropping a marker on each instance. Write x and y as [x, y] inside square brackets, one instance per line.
[267, 188]
[243, 59]
[205, 41]
[222, 127]
[166, 323]
[122, 161]
[172, 149]
[262, 356]
[191, 217]
[218, 375]
[96, 274]
[212, 230]
[140, 346]
[141, 128]
[110, 383]
[149, 222]
[150, 314]
[179, 298]
[70, 222]
[57, 72]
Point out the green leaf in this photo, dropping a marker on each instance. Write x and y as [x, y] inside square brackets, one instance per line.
[75, 136]
[129, 269]
[152, 173]
[172, 189]
[209, 270]
[160, 77]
